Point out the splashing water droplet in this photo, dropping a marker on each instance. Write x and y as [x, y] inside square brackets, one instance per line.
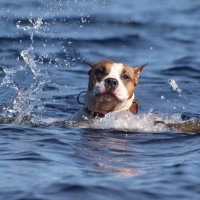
[162, 97]
[174, 86]
[28, 56]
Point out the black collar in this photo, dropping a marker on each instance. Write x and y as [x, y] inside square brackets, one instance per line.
[94, 114]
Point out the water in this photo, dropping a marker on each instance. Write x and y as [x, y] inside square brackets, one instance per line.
[42, 45]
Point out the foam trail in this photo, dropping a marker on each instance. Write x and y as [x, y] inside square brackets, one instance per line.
[149, 122]
[127, 121]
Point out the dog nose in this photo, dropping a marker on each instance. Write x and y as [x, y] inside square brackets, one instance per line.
[111, 83]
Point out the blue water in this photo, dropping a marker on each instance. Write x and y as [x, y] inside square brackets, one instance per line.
[42, 46]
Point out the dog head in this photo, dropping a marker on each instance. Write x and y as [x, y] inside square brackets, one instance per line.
[111, 86]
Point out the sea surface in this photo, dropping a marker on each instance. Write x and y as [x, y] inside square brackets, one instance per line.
[43, 45]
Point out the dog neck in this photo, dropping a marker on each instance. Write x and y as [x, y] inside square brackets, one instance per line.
[133, 109]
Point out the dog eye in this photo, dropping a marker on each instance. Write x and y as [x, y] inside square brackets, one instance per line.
[126, 77]
[100, 71]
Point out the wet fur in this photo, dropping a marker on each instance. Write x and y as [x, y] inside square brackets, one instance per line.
[124, 92]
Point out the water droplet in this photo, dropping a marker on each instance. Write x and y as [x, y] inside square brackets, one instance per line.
[174, 86]
[162, 97]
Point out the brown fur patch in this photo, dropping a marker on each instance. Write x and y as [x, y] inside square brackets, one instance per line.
[129, 84]
[98, 71]
[133, 73]
[137, 72]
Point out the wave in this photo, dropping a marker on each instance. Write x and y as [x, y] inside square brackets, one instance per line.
[86, 20]
[124, 121]
[178, 71]
[127, 38]
[28, 155]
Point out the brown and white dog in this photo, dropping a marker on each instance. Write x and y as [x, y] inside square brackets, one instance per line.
[110, 88]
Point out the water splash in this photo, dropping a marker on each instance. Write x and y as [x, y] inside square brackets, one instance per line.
[150, 122]
[26, 98]
[7, 80]
[34, 26]
[8, 93]
[127, 121]
[29, 58]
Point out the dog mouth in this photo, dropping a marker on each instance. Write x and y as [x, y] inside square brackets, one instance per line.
[107, 96]
[107, 101]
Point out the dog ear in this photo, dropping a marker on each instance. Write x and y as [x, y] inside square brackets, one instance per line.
[91, 64]
[137, 71]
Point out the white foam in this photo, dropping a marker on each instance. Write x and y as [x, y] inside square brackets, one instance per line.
[175, 119]
[127, 121]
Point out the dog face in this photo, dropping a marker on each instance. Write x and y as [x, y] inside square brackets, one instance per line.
[111, 86]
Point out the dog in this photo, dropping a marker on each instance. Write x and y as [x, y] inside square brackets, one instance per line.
[110, 89]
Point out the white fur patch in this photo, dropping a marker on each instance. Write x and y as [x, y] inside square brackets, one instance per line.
[121, 91]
